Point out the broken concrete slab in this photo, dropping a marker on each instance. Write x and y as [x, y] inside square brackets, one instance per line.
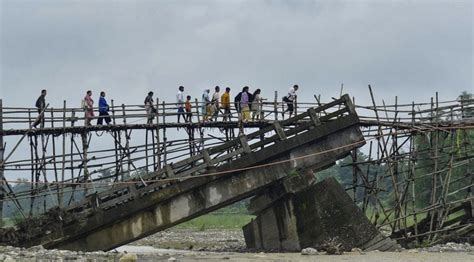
[190, 198]
[311, 217]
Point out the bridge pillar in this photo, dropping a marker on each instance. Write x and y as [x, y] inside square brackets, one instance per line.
[310, 217]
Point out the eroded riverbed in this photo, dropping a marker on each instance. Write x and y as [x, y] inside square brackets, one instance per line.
[224, 245]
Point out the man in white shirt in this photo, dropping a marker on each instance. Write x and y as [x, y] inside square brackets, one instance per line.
[215, 101]
[180, 102]
[290, 100]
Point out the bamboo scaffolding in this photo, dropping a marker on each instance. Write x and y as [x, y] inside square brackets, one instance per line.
[393, 166]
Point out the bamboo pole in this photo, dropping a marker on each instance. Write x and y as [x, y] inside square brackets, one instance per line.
[275, 106]
[63, 166]
[165, 139]
[2, 176]
[412, 163]
[85, 146]
[54, 157]
[115, 136]
[434, 147]
[157, 153]
[354, 175]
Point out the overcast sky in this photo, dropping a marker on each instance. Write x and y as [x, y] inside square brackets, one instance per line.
[409, 49]
[126, 48]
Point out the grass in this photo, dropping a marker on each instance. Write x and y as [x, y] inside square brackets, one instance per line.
[217, 221]
[7, 222]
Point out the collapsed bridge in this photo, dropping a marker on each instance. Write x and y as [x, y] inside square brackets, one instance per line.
[99, 210]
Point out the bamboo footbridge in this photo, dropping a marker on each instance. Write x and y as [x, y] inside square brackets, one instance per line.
[416, 177]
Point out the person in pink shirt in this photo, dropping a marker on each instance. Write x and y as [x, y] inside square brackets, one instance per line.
[88, 107]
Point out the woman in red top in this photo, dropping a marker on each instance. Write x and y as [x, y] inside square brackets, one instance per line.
[88, 107]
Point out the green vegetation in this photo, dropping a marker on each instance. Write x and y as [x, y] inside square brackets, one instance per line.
[453, 148]
[7, 222]
[233, 216]
[440, 157]
[217, 220]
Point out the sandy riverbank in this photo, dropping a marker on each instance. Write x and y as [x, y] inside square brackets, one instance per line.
[224, 245]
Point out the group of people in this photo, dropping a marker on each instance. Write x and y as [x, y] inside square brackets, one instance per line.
[246, 104]
[87, 104]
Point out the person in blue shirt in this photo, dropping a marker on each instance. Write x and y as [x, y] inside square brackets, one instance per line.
[103, 110]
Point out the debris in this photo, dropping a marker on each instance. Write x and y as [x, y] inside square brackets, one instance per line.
[309, 251]
[129, 257]
[358, 250]
[333, 247]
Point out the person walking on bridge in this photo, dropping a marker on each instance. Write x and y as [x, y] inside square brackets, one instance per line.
[187, 106]
[149, 107]
[88, 108]
[225, 104]
[256, 105]
[40, 105]
[215, 102]
[290, 100]
[180, 102]
[205, 103]
[237, 99]
[103, 110]
[245, 100]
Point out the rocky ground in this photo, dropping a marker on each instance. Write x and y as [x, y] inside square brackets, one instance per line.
[229, 240]
[219, 245]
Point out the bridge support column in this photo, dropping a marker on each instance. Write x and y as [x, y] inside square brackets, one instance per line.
[308, 218]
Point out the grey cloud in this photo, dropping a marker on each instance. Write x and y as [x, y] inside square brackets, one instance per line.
[130, 47]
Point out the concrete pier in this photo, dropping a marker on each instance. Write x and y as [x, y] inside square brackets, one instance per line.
[311, 217]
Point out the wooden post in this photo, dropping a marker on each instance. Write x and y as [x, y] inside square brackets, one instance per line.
[164, 135]
[124, 116]
[73, 117]
[72, 159]
[29, 118]
[395, 154]
[283, 110]
[42, 164]
[127, 151]
[63, 164]
[158, 150]
[154, 151]
[115, 135]
[53, 140]
[36, 166]
[32, 185]
[197, 110]
[275, 106]
[354, 175]
[146, 149]
[412, 174]
[113, 111]
[295, 103]
[84, 160]
[2, 176]
[434, 151]
[367, 178]
[381, 141]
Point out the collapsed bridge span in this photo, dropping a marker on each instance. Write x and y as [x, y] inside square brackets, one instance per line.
[216, 177]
